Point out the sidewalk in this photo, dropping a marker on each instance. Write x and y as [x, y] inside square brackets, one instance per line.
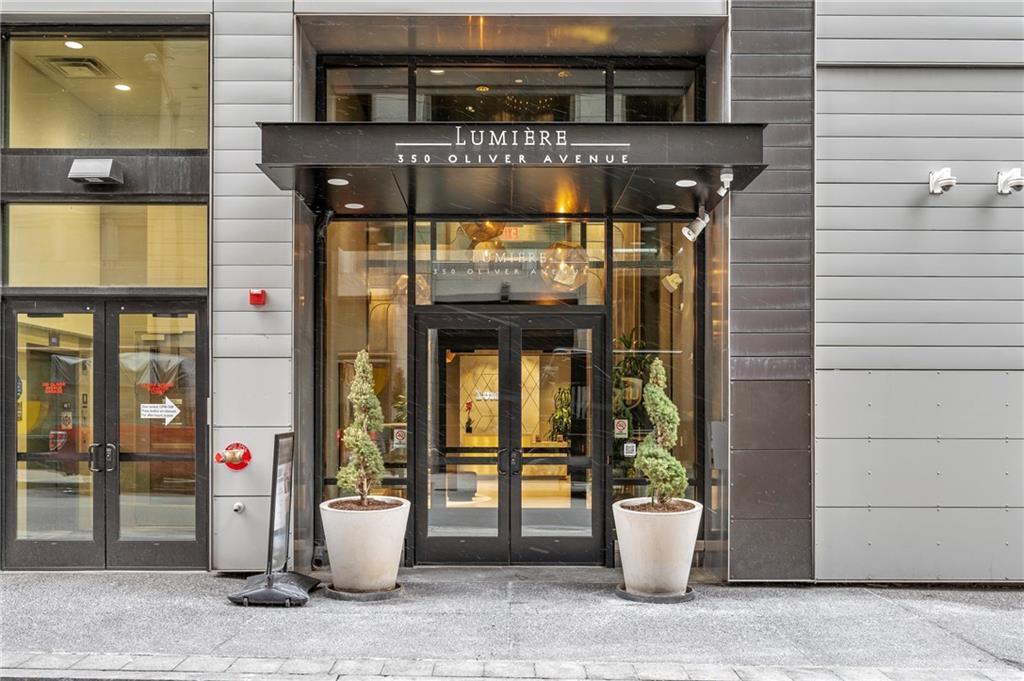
[498, 623]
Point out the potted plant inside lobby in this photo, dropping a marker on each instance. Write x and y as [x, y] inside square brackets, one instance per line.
[657, 534]
[364, 533]
[561, 417]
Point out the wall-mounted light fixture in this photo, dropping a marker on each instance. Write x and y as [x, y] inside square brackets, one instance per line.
[726, 179]
[693, 230]
[941, 181]
[1010, 181]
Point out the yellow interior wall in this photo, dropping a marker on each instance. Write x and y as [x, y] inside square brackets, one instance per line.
[42, 115]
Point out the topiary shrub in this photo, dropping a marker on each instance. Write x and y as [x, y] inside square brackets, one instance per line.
[667, 477]
[365, 467]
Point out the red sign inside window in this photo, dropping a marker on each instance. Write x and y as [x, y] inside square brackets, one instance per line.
[54, 387]
[158, 388]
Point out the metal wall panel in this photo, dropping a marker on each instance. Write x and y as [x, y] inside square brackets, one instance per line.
[252, 392]
[920, 288]
[256, 479]
[252, 345]
[769, 549]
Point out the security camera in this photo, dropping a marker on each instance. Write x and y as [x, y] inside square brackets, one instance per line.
[693, 230]
[726, 179]
[1011, 180]
[940, 181]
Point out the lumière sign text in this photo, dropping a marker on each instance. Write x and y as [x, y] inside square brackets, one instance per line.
[512, 145]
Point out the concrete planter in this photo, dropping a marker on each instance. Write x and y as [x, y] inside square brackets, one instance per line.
[656, 548]
[365, 547]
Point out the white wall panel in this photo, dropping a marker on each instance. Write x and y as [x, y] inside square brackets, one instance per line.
[250, 392]
[253, 23]
[919, 8]
[237, 161]
[919, 288]
[252, 345]
[253, 253]
[237, 300]
[113, 6]
[936, 217]
[929, 148]
[920, 125]
[248, 276]
[949, 27]
[252, 68]
[242, 184]
[902, 102]
[254, 321]
[920, 264]
[254, 229]
[919, 241]
[918, 335]
[254, 92]
[935, 79]
[256, 478]
[963, 357]
[901, 51]
[252, 46]
[938, 311]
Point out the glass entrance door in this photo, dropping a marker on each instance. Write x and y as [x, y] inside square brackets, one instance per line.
[104, 460]
[508, 448]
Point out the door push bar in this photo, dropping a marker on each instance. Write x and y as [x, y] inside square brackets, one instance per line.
[108, 462]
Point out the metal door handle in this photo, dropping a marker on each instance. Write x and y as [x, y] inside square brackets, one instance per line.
[93, 464]
[517, 461]
[502, 468]
[110, 458]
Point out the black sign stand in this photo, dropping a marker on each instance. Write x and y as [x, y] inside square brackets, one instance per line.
[277, 586]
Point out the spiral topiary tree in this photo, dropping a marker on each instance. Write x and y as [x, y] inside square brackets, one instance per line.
[365, 466]
[654, 458]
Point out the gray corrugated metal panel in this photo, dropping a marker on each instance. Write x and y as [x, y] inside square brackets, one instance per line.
[774, 274]
[768, 369]
[860, 473]
[772, 89]
[743, 227]
[921, 311]
[115, 6]
[910, 172]
[761, 111]
[947, 150]
[237, 300]
[932, 218]
[252, 92]
[267, 46]
[919, 404]
[987, 52]
[934, 79]
[773, 42]
[265, 384]
[782, 158]
[764, 19]
[243, 138]
[918, 27]
[919, 288]
[770, 251]
[770, 321]
[772, 204]
[771, 298]
[255, 321]
[541, 7]
[906, 544]
[771, 414]
[789, 135]
[273, 253]
[919, 125]
[770, 549]
[919, 241]
[770, 345]
[919, 265]
[253, 23]
[252, 207]
[888, 102]
[252, 345]
[238, 276]
[236, 161]
[966, 195]
[772, 65]
[227, 229]
[917, 8]
[782, 181]
[770, 484]
[252, 68]
[249, 114]
[920, 358]
[918, 335]
[243, 184]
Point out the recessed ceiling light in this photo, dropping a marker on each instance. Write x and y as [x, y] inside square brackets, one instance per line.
[354, 206]
[666, 206]
[338, 181]
[519, 81]
[564, 74]
[122, 87]
[437, 72]
[686, 183]
[482, 88]
[73, 44]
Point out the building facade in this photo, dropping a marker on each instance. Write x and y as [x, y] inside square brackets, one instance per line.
[210, 206]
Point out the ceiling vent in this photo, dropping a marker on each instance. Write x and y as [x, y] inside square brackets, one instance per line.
[77, 67]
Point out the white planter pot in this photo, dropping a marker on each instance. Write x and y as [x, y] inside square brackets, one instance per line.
[656, 549]
[365, 547]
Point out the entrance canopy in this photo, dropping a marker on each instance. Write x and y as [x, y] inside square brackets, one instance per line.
[643, 169]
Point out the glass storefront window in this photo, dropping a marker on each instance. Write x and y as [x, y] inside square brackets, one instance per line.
[510, 94]
[106, 245]
[654, 314]
[368, 94]
[651, 96]
[496, 261]
[108, 93]
[366, 293]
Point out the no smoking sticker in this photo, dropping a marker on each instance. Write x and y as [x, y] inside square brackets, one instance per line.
[401, 437]
[621, 429]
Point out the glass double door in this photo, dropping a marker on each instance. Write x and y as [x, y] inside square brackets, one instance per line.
[509, 450]
[104, 435]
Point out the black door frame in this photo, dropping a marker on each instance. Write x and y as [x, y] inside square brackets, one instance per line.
[509, 546]
[104, 551]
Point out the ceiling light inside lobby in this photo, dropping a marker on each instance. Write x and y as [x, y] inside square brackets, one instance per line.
[354, 206]
[121, 87]
[686, 183]
[337, 181]
[437, 72]
[666, 206]
[483, 88]
[73, 44]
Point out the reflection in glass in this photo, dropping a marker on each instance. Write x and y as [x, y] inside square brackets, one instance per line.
[136, 93]
[652, 96]
[368, 94]
[54, 426]
[157, 468]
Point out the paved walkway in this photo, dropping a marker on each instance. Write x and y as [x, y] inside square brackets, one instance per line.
[506, 623]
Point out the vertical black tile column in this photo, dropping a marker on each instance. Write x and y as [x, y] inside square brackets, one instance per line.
[771, 260]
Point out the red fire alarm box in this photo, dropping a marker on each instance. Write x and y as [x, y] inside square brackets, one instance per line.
[257, 296]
